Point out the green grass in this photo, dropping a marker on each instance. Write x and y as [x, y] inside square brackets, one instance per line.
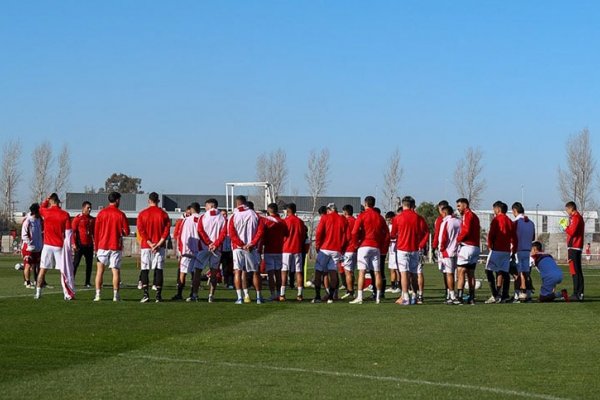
[84, 350]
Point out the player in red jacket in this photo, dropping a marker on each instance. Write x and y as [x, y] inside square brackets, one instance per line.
[154, 226]
[368, 234]
[83, 241]
[275, 233]
[111, 227]
[57, 247]
[293, 246]
[575, 233]
[469, 249]
[330, 243]
[499, 242]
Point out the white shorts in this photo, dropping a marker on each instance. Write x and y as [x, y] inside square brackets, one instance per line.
[110, 258]
[448, 265]
[327, 260]
[292, 262]
[349, 262]
[244, 260]
[498, 261]
[189, 262]
[273, 262]
[409, 261]
[524, 261]
[392, 259]
[468, 254]
[152, 260]
[51, 257]
[368, 259]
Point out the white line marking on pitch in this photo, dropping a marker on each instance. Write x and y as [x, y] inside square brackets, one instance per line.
[43, 294]
[318, 372]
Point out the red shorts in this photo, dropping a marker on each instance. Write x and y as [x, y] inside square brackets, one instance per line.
[30, 257]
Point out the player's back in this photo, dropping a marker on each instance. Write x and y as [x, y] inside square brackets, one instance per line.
[111, 226]
[296, 235]
[407, 228]
[56, 222]
[334, 238]
[369, 229]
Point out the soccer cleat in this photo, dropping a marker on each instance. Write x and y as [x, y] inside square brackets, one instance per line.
[369, 288]
[389, 290]
[491, 300]
[88, 286]
[145, 299]
[37, 296]
[329, 301]
[97, 297]
[68, 298]
[158, 299]
[356, 301]
[396, 290]
[348, 295]
[419, 299]
[377, 301]
[192, 299]
[140, 286]
[117, 297]
[239, 301]
[153, 287]
[247, 300]
[456, 302]
[211, 299]
[299, 299]
[282, 299]
[471, 302]
[177, 297]
[316, 300]
[259, 300]
[413, 301]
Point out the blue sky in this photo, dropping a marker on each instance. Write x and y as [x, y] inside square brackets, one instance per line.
[186, 94]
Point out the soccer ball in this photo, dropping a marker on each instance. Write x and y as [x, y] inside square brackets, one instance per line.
[18, 266]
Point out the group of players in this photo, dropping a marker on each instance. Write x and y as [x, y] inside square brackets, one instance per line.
[342, 242]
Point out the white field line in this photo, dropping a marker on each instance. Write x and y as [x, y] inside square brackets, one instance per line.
[44, 293]
[337, 374]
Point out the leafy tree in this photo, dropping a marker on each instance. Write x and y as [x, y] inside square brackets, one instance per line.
[123, 184]
[429, 212]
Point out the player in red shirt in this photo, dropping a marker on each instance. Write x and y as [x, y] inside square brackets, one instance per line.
[469, 249]
[330, 243]
[369, 234]
[293, 246]
[111, 226]
[275, 233]
[57, 246]
[83, 241]
[154, 226]
[500, 238]
[575, 233]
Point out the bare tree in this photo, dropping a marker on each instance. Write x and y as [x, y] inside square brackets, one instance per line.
[391, 179]
[467, 176]
[11, 175]
[42, 162]
[272, 167]
[316, 179]
[575, 182]
[61, 182]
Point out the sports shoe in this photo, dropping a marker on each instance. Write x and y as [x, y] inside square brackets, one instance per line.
[153, 287]
[158, 299]
[145, 299]
[88, 286]
[316, 300]
[282, 299]
[413, 301]
[396, 290]
[471, 302]
[356, 301]
[239, 301]
[117, 297]
[348, 295]
[25, 283]
[68, 298]
[419, 299]
[389, 290]
[191, 299]
[97, 297]
[369, 288]
[299, 299]
[37, 296]
[247, 300]
[491, 300]
[140, 286]
[211, 299]
[177, 297]
[29, 286]
[456, 302]
[377, 301]
[404, 302]
[259, 300]
[329, 301]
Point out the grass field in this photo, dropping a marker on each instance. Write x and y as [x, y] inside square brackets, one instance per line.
[53, 349]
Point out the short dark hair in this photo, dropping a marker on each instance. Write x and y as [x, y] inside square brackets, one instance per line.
[212, 201]
[571, 205]
[377, 210]
[113, 197]
[35, 208]
[348, 208]
[241, 198]
[250, 205]
[504, 208]
[322, 210]
[153, 197]
[291, 207]
[399, 210]
[86, 203]
[370, 201]
[195, 206]
[518, 207]
[408, 201]
[443, 203]
[538, 245]
[273, 207]
[54, 197]
[497, 204]
[390, 214]
[463, 200]
[448, 210]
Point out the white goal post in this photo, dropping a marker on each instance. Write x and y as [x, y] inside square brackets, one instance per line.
[268, 194]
